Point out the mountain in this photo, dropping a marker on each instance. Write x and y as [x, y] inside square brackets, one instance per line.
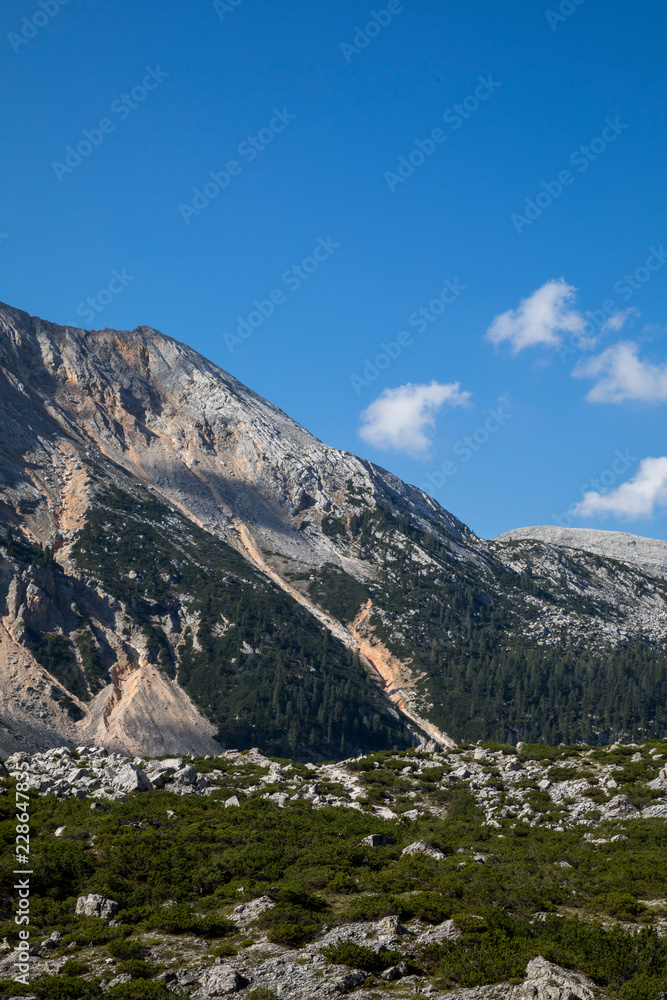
[184, 567]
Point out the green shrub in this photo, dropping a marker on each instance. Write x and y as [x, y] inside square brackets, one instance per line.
[224, 951]
[432, 907]
[138, 968]
[359, 957]
[296, 917]
[262, 993]
[54, 988]
[123, 948]
[90, 930]
[142, 989]
[496, 947]
[375, 907]
[72, 967]
[181, 919]
[622, 905]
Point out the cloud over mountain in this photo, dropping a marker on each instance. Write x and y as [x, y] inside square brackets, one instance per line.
[400, 419]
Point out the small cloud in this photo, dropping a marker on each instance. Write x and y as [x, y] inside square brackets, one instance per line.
[400, 419]
[617, 320]
[642, 496]
[621, 375]
[542, 318]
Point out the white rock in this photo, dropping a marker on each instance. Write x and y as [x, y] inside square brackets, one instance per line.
[221, 980]
[421, 847]
[94, 905]
[131, 779]
[545, 981]
[244, 913]
[445, 931]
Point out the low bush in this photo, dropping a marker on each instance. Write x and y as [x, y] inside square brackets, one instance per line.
[138, 968]
[374, 908]
[126, 949]
[496, 947]
[54, 988]
[296, 917]
[72, 967]
[181, 919]
[225, 951]
[143, 989]
[359, 957]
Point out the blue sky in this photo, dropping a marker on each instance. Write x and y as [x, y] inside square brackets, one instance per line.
[362, 163]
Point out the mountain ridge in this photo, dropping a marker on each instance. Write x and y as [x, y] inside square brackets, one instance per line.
[649, 554]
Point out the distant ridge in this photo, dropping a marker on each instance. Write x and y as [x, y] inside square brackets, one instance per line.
[649, 554]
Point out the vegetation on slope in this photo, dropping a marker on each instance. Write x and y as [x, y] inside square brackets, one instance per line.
[476, 639]
[256, 663]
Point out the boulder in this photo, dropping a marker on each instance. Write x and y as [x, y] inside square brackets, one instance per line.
[52, 941]
[232, 802]
[391, 925]
[620, 807]
[94, 905]
[395, 972]
[421, 847]
[186, 775]
[350, 981]
[545, 981]
[122, 977]
[131, 779]
[376, 840]
[169, 765]
[446, 931]
[222, 980]
[656, 811]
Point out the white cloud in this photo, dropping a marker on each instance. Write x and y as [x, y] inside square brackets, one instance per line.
[542, 318]
[622, 375]
[617, 320]
[400, 419]
[642, 496]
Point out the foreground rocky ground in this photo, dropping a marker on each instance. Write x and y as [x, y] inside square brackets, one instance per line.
[571, 815]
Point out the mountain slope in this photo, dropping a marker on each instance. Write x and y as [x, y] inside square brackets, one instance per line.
[186, 562]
